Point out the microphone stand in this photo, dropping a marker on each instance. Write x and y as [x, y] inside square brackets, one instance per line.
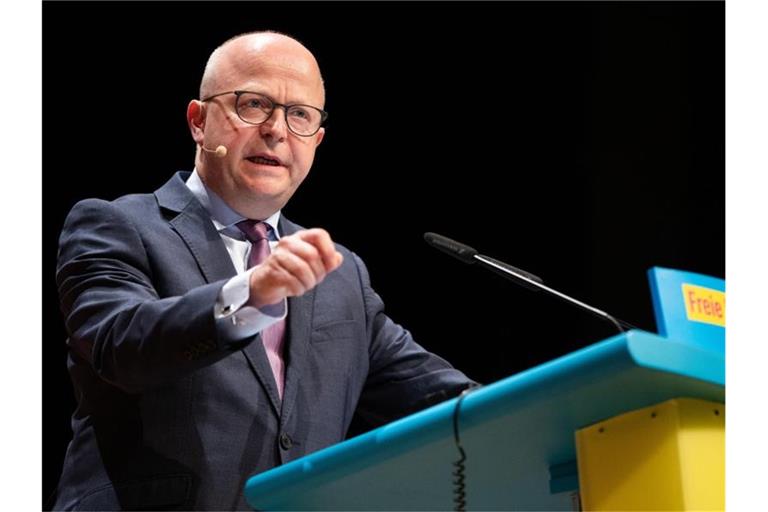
[504, 270]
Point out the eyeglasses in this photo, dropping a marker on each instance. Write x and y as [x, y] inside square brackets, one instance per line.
[255, 108]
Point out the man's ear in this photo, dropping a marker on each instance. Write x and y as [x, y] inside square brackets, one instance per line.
[319, 136]
[196, 120]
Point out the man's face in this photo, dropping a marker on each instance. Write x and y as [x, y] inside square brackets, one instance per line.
[265, 163]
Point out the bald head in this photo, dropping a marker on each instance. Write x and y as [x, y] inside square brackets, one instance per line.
[256, 53]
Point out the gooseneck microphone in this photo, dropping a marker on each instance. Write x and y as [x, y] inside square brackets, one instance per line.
[471, 256]
[220, 151]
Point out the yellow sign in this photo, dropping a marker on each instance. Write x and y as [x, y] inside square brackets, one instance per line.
[704, 304]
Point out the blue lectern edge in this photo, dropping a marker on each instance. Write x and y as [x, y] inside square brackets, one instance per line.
[676, 356]
[658, 314]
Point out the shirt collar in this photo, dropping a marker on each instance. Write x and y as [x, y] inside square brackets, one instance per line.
[222, 215]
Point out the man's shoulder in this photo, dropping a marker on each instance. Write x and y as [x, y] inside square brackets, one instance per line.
[139, 204]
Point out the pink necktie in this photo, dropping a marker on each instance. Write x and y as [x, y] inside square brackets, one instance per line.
[272, 337]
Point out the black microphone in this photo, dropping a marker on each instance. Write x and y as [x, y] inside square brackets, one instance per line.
[469, 255]
[463, 252]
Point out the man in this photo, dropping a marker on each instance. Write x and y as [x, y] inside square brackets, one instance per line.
[199, 354]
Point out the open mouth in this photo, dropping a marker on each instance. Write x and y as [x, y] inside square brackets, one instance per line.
[263, 160]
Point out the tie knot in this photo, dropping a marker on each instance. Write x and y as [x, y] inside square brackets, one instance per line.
[254, 230]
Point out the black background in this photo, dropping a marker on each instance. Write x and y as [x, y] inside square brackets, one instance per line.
[583, 142]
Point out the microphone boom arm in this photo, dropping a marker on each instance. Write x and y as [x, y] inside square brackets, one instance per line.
[469, 255]
[526, 281]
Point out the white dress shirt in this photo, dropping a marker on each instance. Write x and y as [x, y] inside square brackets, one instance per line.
[234, 319]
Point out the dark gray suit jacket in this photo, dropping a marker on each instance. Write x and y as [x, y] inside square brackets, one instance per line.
[171, 416]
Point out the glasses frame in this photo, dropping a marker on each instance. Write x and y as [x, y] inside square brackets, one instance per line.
[238, 93]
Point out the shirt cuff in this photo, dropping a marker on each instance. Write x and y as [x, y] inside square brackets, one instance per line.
[234, 319]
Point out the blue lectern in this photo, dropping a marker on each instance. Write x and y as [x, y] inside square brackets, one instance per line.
[518, 434]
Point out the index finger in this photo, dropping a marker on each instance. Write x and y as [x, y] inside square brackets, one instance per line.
[321, 240]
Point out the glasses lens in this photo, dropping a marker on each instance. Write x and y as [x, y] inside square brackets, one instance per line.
[254, 108]
[303, 119]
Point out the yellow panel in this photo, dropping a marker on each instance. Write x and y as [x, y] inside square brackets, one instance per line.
[702, 451]
[704, 304]
[666, 457]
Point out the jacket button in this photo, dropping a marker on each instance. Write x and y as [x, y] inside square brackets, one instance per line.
[285, 441]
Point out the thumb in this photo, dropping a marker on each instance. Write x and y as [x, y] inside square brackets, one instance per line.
[338, 260]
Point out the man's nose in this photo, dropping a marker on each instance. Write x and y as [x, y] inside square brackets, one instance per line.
[275, 126]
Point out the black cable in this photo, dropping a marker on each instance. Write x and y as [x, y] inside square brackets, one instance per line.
[459, 487]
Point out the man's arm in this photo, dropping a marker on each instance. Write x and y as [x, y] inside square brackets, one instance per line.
[403, 377]
[133, 338]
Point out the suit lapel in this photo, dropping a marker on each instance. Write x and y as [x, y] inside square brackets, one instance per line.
[256, 356]
[204, 243]
[194, 226]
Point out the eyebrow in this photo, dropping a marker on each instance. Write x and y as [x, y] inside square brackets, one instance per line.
[290, 103]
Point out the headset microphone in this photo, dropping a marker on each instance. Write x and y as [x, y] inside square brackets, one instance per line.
[220, 151]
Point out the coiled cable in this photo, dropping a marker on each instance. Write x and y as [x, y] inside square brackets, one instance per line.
[459, 485]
